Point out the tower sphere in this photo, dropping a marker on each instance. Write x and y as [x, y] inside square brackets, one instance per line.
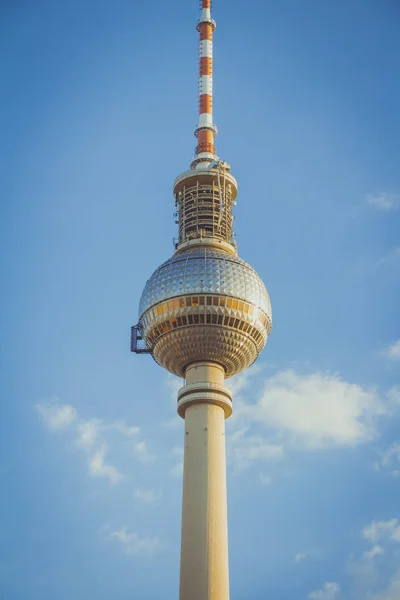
[204, 304]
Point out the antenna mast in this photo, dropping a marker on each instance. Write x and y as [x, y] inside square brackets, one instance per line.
[205, 131]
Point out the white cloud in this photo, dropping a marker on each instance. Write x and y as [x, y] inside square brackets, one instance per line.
[376, 550]
[329, 591]
[146, 496]
[134, 544]
[88, 432]
[368, 572]
[98, 467]
[142, 453]
[91, 435]
[316, 410]
[382, 530]
[243, 450]
[290, 410]
[56, 416]
[391, 460]
[392, 352]
[384, 201]
[300, 556]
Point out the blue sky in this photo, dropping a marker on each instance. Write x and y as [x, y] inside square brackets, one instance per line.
[98, 111]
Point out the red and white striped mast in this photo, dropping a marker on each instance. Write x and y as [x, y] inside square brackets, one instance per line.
[205, 131]
[205, 194]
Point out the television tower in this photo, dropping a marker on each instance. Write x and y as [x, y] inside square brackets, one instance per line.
[204, 315]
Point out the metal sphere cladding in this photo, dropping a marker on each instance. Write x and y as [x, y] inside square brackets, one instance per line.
[204, 304]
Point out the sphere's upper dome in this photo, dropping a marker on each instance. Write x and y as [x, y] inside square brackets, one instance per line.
[205, 270]
[205, 304]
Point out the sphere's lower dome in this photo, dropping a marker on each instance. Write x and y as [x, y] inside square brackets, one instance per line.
[205, 304]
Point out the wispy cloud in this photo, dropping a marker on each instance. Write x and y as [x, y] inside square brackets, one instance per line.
[329, 591]
[377, 568]
[300, 556]
[391, 460]
[392, 352]
[90, 435]
[146, 496]
[384, 201]
[382, 530]
[99, 468]
[376, 550]
[133, 544]
[314, 410]
[142, 453]
[56, 416]
[244, 449]
[88, 432]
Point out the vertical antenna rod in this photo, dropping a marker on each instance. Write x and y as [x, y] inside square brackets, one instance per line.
[205, 130]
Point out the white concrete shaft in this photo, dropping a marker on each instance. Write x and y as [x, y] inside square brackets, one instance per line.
[204, 550]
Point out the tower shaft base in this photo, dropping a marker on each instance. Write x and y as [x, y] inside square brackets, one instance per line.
[204, 550]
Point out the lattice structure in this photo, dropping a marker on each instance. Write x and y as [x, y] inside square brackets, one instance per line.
[206, 211]
[204, 198]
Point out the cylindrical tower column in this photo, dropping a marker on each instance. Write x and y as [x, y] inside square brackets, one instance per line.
[204, 403]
